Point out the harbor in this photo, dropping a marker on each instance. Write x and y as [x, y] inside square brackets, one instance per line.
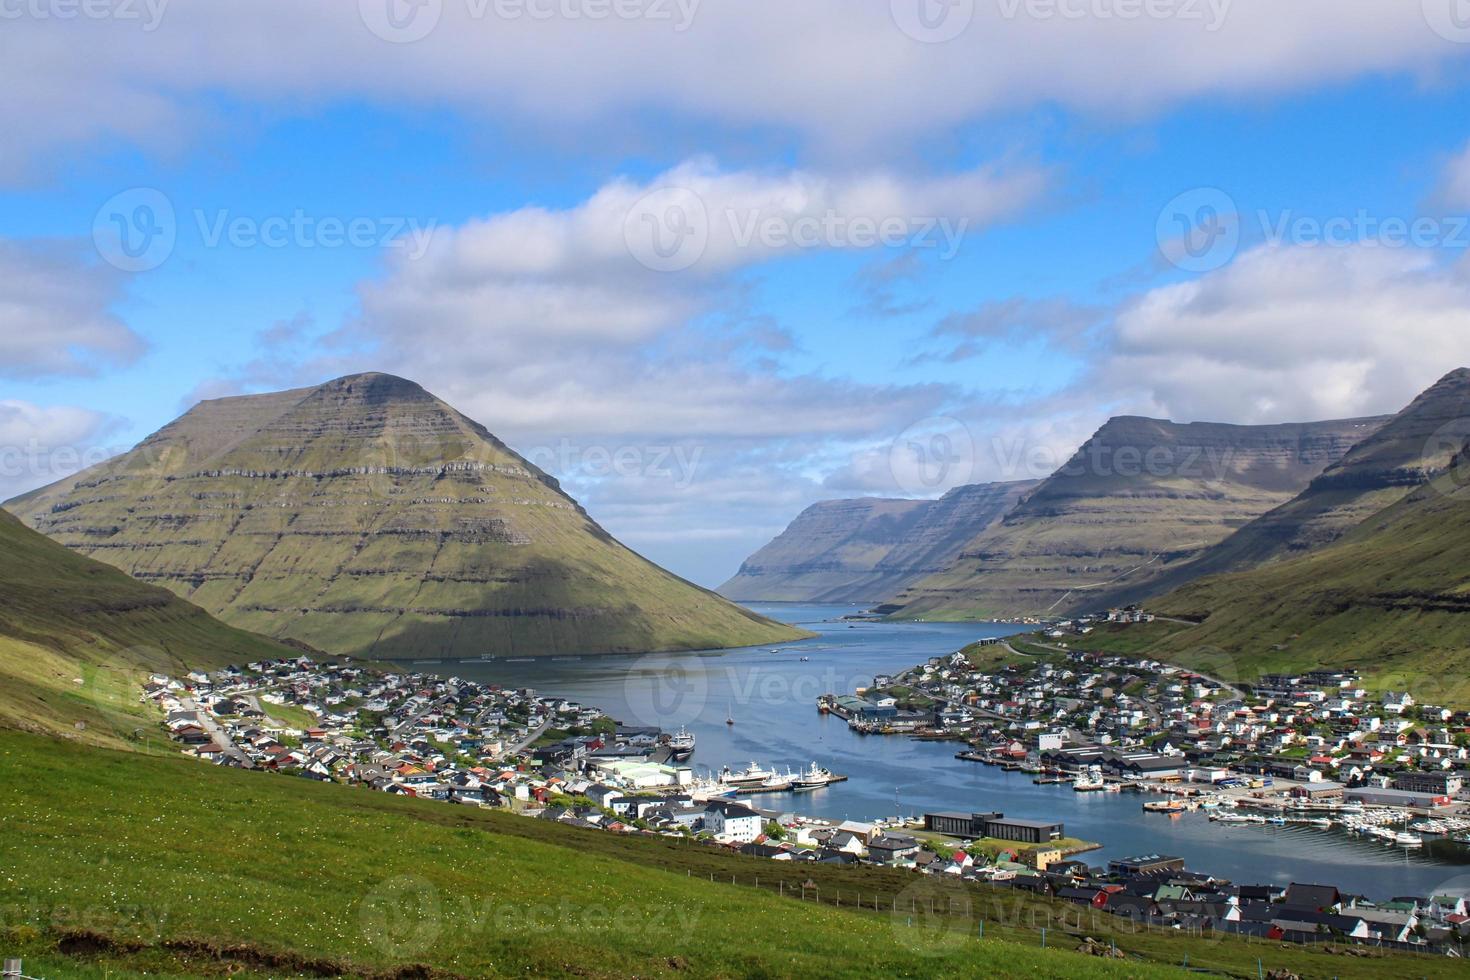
[770, 697]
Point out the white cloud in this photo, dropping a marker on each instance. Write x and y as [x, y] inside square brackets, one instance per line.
[39, 445]
[843, 75]
[1454, 190]
[55, 316]
[1291, 334]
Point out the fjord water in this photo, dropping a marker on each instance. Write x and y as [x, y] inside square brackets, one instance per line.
[770, 697]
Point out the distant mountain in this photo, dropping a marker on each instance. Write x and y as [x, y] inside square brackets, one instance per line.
[365, 516]
[1405, 453]
[1138, 499]
[866, 549]
[1390, 597]
[76, 634]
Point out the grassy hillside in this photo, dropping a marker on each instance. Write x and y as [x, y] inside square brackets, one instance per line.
[1138, 500]
[367, 517]
[76, 636]
[120, 862]
[1391, 598]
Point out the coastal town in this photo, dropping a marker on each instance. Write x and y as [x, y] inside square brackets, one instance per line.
[1085, 723]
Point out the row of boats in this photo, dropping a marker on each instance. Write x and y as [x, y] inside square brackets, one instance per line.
[755, 778]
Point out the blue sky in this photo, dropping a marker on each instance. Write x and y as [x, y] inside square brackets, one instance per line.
[530, 150]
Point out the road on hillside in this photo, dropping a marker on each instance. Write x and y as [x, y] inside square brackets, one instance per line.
[214, 731]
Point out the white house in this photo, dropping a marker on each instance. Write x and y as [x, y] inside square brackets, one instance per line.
[735, 821]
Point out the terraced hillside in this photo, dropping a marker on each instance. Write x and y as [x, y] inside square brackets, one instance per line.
[1139, 499]
[1409, 450]
[366, 516]
[867, 549]
[76, 636]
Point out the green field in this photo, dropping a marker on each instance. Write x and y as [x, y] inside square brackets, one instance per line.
[118, 863]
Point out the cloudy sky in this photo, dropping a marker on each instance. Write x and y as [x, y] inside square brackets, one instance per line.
[712, 260]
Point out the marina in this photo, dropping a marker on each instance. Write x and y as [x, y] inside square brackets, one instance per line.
[771, 696]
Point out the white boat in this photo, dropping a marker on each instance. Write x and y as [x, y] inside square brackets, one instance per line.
[1405, 839]
[752, 775]
[813, 777]
[1090, 781]
[682, 742]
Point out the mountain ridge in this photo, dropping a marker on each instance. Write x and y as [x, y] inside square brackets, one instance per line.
[865, 549]
[1137, 499]
[366, 516]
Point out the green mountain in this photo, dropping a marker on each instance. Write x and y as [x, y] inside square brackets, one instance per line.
[365, 516]
[1138, 500]
[867, 549]
[1391, 597]
[1411, 448]
[76, 637]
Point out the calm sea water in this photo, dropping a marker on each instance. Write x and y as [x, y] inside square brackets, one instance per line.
[770, 695]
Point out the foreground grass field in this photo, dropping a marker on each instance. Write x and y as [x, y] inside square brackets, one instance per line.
[118, 864]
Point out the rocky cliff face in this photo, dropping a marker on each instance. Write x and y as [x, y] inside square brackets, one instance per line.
[1412, 448]
[1140, 498]
[866, 549]
[366, 516]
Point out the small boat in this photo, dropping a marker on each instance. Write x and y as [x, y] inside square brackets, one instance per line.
[1405, 839]
[806, 660]
[1163, 806]
[729, 715]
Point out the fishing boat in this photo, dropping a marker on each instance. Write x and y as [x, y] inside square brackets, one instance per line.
[752, 775]
[729, 715]
[813, 777]
[682, 743]
[1091, 781]
[1163, 806]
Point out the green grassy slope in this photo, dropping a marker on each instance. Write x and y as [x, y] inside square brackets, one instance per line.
[77, 635]
[177, 867]
[367, 517]
[1141, 498]
[1391, 598]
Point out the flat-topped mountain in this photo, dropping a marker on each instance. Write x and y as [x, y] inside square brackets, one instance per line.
[1138, 499]
[1408, 451]
[365, 516]
[867, 549]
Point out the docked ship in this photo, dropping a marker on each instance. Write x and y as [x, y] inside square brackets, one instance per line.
[751, 775]
[682, 744]
[812, 778]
